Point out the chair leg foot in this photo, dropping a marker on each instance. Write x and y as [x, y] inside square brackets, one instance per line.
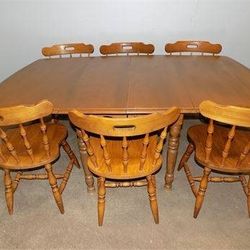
[101, 199]
[153, 198]
[8, 191]
[201, 192]
[54, 187]
[186, 156]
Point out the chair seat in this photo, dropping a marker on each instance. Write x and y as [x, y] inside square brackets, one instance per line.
[56, 134]
[135, 147]
[198, 133]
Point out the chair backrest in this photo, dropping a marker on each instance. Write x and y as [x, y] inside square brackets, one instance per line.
[231, 115]
[19, 116]
[201, 47]
[121, 129]
[68, 49]
[127, 48]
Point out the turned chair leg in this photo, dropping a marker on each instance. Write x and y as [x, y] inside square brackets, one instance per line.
[186, 156]
[70, 153]
[248, 196]
[101, 199]
[153, 198]
[54, 187]
[201, 192]
[8, 190]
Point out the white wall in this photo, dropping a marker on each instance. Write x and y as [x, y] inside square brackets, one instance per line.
[27, 26]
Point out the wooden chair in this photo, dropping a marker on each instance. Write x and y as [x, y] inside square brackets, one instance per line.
[29, 143]
[200, 47]
[127, 48]
[219, 148]
[127, 150]
[68, 49]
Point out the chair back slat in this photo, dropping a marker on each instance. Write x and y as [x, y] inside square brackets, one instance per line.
[45, 137]
[193, 46]
[227, 147]
[26, 142]
[17, 116]
[68, 49]
[209, 140]
[106, 154]
[133, 132]
[160, 144]
[144, 151]
[244, 154]
[230, 115]
[125, 156]
[89, 147]
[9, 145]
[127, 48]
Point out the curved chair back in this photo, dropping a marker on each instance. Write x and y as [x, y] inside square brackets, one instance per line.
[127, 48]
[231, 115]
[202, 47]
[68, 49]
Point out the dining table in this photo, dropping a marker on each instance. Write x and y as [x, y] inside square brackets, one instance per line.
[130, 85]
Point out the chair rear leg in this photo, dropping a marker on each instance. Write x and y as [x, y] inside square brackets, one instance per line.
[54, 187]
[153, 198]
[101, 199]
[8, 191]
[202, 191]
[70, 153]
[186, 156]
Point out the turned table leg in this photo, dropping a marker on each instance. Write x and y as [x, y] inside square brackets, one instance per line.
[88, 175]
[173, 144]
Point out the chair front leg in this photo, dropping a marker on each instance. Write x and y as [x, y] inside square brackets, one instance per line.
[101, 200]
[153, 198]
[202, 191]
[54, 187]
[8, 190]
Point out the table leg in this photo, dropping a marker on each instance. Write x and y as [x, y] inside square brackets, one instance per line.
[87, 174]
[173, 144]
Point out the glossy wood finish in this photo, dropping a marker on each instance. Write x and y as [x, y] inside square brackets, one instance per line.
[32, 143]
[68, 49]
[202, 47]
[124, 149]
[127, 48]
[130, 85]
[225, 149]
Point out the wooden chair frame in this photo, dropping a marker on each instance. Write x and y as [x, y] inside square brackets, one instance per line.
[68, 49]
[14, 160]
[122, 129]
[201, 47]
[231, 115]
[127, 48]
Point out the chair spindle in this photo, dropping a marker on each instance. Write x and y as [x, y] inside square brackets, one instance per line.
[9, 146]
[227, 147]
[144, 151]
[125, 154]
[209, 140]
[159, 146]
[106, 154]
[26, 142]
[45, 137]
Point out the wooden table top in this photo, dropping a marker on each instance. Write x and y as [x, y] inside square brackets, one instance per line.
[129, 84]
